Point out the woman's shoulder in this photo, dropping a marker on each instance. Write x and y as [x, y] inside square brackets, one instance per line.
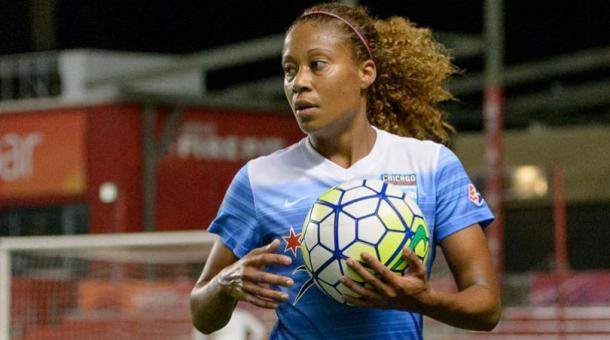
[410, 142]
[422, 154]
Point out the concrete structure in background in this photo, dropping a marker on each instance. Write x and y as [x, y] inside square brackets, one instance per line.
[65, 77]
[578, 151]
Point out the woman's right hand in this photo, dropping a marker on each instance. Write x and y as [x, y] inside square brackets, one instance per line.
[247, 279]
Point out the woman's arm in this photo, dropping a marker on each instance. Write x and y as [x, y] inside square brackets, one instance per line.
[226, 279]
[211, 308]
[475, 306]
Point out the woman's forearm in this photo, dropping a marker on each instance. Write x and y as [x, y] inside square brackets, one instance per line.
[476, 308]
[225, 279]
[211, 308]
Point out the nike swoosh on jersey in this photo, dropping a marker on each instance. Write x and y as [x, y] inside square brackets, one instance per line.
[290, 204]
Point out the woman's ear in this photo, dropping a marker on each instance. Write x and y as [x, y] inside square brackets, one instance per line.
[368, 74]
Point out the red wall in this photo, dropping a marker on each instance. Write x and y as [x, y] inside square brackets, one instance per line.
[192, 182]
[208, 149]
[113, 154]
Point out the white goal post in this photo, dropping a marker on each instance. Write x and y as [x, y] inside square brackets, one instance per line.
[55, 256]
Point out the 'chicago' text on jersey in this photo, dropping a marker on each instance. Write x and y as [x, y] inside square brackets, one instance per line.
[406, 182]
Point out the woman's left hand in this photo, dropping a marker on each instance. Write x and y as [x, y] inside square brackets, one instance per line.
[387, 290]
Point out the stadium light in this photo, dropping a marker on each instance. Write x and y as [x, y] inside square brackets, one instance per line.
[529, 181]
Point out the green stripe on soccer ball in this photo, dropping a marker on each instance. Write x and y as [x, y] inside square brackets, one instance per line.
[420, 241]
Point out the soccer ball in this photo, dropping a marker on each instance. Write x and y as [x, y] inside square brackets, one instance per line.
[360, 216]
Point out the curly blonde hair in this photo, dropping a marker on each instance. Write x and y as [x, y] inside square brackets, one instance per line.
[412, 71]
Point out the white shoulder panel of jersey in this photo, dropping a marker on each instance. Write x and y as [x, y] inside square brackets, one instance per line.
[283, 166]
[417, 154]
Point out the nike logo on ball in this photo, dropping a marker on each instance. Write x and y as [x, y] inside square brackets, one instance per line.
[290, 204]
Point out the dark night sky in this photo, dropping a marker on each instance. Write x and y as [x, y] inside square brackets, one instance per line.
[534, 29]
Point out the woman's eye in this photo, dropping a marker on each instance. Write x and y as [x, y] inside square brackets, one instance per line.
[289, 70]
[318, 64]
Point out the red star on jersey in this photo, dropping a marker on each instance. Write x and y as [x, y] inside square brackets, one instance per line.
[292, 242]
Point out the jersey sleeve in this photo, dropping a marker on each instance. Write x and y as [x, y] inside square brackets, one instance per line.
[459, 204]
[236, 221]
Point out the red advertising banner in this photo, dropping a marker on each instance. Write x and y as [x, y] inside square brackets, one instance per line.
[42, 155]
[209, 147]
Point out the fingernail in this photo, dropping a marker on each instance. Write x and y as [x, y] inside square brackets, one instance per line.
[289, 282]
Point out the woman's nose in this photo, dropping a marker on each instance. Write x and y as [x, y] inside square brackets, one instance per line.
[302, 81]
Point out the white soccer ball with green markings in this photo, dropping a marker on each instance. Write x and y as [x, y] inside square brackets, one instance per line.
[360, 216]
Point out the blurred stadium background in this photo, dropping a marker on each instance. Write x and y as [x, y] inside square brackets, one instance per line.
[122, 123]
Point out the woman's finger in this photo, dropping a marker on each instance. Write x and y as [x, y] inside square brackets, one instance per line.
[263, 303]
[365, 296]
[370, 278]
[358, 302]
[261, 260]
[416, 267]
[356, 287]
[262, 277]
[382, 271]
[263, 292]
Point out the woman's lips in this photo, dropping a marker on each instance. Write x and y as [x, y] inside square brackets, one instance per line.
[306, 110]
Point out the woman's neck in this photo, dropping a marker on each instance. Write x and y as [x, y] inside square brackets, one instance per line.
[348, 147]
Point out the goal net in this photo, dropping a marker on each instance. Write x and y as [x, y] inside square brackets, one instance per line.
[122, 286]
[114, 286]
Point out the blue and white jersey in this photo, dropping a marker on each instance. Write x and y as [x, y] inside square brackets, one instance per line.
[269, 199]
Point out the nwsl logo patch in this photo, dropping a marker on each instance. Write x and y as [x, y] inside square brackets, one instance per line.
[474, 196]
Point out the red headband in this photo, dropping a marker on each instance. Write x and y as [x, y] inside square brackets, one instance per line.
[362, 38]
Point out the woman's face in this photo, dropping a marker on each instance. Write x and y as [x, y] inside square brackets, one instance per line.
[323, 84]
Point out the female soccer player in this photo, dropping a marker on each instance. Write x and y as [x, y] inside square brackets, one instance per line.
[366, 93]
